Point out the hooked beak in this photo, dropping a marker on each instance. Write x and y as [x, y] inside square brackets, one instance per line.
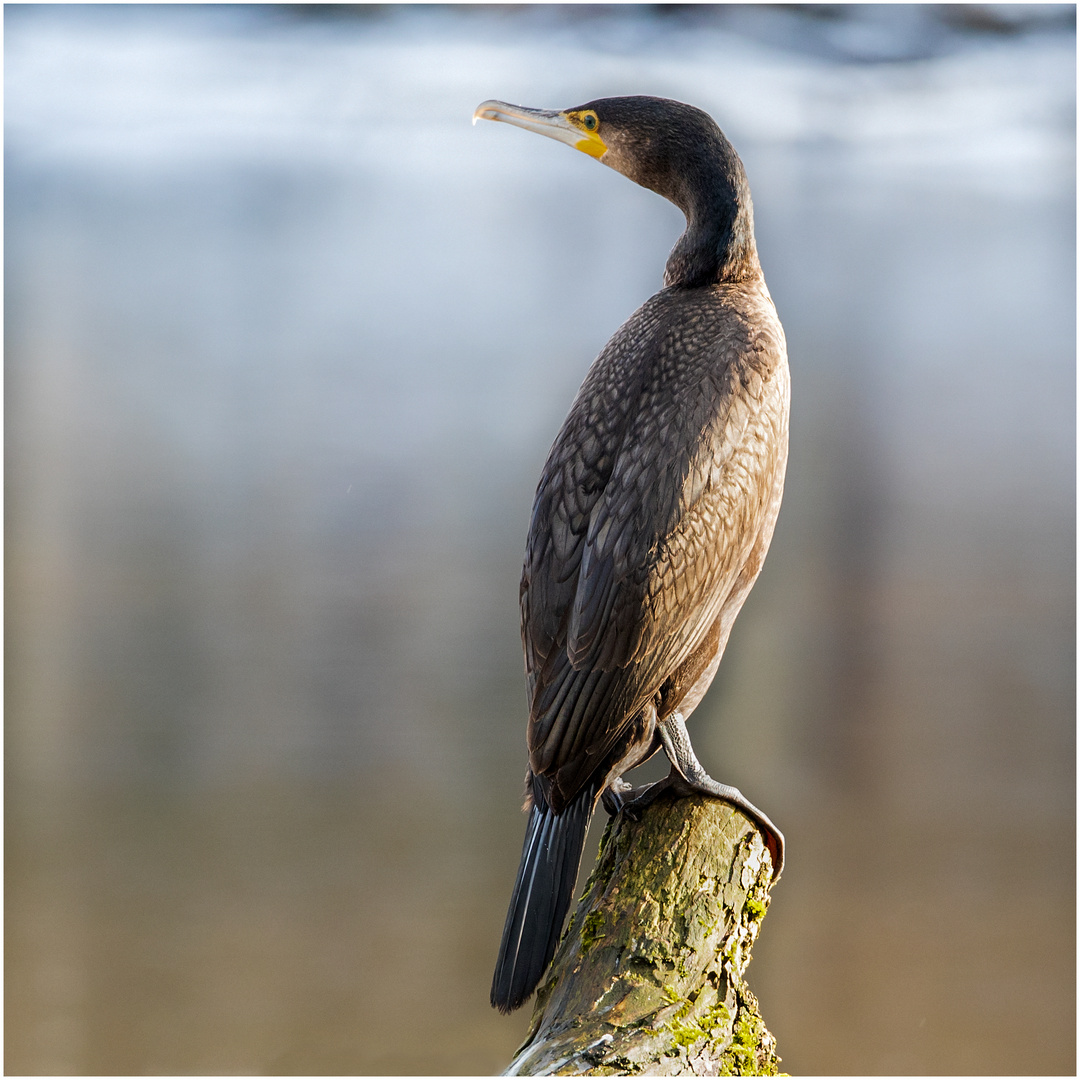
[555, 125]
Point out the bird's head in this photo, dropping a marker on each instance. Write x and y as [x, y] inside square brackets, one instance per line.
[671, 148]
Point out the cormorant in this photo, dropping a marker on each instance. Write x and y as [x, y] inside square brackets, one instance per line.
[652, 516]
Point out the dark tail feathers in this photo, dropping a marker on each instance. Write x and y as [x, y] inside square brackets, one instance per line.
[541, 898]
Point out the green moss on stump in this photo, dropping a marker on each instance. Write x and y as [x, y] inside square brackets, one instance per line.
[592, 930]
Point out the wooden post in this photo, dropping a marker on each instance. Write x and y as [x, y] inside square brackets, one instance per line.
[648, 977]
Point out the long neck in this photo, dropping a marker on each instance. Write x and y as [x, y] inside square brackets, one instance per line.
[718, 244]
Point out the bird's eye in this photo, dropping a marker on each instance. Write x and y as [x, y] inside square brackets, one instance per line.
[590, 121]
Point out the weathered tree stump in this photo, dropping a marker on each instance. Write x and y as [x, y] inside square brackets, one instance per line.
[648, 977]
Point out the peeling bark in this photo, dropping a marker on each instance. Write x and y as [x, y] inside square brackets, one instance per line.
[648, 977]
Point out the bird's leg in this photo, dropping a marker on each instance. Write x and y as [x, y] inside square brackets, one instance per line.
[613, 795]
[619, 791]
[688, 777]
[621, 797]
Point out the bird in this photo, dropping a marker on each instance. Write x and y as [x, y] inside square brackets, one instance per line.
[652, 518]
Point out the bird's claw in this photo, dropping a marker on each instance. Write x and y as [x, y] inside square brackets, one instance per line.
[621, 797]
[635, 801]
[776, 854]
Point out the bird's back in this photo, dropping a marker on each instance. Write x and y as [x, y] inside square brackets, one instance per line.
[658, 489]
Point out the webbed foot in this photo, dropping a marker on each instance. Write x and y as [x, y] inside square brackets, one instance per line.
[688, 777]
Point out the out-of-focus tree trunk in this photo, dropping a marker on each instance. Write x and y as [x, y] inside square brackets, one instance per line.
[649, 975]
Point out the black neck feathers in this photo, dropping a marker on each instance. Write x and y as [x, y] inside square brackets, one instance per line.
[718, 244]
[679, 152]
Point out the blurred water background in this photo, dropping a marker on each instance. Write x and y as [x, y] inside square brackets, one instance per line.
[287, 340]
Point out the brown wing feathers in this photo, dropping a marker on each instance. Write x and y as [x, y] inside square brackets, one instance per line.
[627, 564]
